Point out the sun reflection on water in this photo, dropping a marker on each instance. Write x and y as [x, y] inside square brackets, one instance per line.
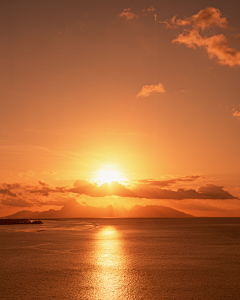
[108, 277]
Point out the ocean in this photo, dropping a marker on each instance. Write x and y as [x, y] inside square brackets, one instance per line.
[110, 258]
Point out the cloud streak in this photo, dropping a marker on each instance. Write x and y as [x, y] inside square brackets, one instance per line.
[168, 182]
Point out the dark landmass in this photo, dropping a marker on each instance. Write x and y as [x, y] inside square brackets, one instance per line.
[18, 221]
[75, 210]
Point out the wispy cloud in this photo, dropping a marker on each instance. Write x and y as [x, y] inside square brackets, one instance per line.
[217, 46]
[79, 25]
[128, 14]
[206, 18]
[148, 90]
[151, 9]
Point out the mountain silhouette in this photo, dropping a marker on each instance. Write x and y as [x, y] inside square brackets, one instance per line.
[73, 209]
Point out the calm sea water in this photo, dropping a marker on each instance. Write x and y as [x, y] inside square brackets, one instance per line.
[121, 259]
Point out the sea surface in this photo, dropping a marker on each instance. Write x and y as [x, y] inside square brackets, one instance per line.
[111, 258]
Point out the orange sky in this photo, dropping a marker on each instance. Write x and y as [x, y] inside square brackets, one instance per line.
[147, 88]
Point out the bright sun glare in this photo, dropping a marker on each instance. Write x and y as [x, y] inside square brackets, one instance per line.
[107, 176]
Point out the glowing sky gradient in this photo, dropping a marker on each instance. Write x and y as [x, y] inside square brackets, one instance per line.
[147, 89]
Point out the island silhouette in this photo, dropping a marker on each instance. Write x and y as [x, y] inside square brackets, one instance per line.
[73, 209]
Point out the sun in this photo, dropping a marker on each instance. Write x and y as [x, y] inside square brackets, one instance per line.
[107, 176]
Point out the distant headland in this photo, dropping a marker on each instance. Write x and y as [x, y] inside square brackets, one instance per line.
[18, 221]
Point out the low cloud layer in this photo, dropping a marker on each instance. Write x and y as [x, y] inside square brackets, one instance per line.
[148, 90]
[197, 33]
[205, 192]
[42, 194]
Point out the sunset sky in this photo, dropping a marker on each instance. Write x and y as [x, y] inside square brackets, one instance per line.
[144, 93]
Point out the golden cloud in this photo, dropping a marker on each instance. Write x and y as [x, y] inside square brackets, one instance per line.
[217, 46]
[148, 90]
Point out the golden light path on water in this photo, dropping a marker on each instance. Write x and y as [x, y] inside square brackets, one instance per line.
[108, 278]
